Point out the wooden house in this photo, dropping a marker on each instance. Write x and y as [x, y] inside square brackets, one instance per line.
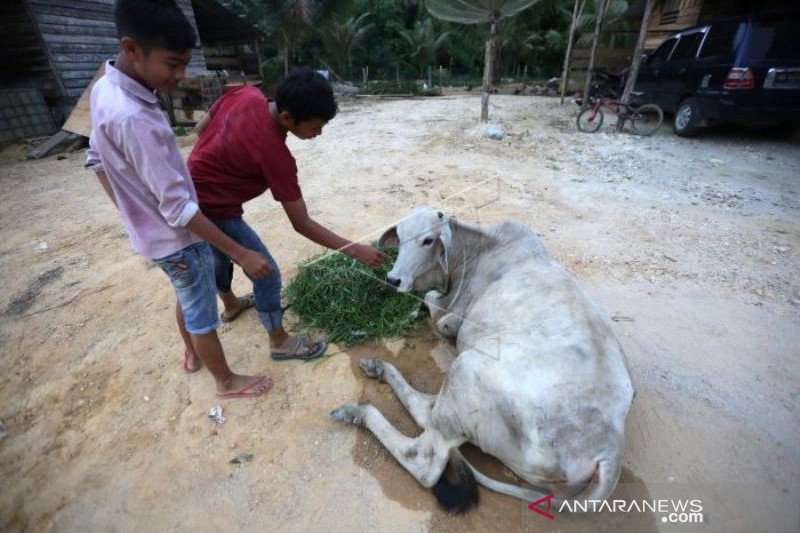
[51, 50]
[672, 16]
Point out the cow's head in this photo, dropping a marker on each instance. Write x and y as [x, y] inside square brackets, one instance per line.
[423, 239]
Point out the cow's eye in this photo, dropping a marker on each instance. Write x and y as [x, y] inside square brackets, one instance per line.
[427, 242]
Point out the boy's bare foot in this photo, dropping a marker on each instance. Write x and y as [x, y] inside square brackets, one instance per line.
[191, 363]
[244, 387]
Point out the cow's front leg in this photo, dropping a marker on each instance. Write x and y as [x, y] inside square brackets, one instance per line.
[425, 457]
[417, 404]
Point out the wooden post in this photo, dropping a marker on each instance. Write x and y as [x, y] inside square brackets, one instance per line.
[576, 14]
[488, 70]
[440, 76]
[397, 72]
[636, 61]
[601, 12]
[430, 78]
[450, 73]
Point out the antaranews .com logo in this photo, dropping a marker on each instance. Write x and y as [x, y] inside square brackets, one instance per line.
[671, 511]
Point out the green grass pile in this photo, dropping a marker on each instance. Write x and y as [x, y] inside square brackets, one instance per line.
[349, 302]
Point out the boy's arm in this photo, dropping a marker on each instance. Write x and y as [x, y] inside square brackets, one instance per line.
[103, 179]
[201, 126]
[94, 163]
[252, 262]
[307, 227]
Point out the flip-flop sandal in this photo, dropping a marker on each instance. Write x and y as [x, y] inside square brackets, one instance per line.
[186, 368]
[245, 302]
[302, 351]
[248, 391]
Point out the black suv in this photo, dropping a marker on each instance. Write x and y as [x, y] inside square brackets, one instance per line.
[739, 70]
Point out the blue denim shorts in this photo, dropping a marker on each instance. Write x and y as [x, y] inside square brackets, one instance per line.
[191, 272]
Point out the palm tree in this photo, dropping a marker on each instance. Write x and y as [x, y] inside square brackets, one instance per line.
[477, 12]
[341, 37]
[291, 20]
[615, 28]
[423, 43]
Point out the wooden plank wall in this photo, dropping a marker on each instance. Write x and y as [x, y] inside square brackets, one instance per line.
[671, 16]
[21, 53]
[80, 34]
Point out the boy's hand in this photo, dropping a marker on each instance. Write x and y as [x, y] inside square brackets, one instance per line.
[367, 255]
[254, 264]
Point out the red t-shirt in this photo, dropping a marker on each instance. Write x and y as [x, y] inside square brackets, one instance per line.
[241, 153]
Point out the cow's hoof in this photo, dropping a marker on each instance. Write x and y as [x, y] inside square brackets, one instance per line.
[349, 414]
[372, 367]
[431, 297]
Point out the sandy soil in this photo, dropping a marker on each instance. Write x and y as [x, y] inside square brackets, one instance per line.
[691, 246]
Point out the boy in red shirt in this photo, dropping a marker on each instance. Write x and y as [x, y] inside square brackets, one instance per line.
[240, 154]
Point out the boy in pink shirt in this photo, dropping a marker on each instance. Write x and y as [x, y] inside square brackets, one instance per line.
[135, 156]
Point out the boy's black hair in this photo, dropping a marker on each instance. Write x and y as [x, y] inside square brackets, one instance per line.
[306, 95]
[154, 24]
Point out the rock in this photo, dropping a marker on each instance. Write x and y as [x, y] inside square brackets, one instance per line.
[494, 132]
[241, 458]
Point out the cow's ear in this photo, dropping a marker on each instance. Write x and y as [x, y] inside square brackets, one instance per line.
[389, 238]
[443, 244]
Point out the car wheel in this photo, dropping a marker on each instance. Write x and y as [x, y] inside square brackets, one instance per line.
[687, 119]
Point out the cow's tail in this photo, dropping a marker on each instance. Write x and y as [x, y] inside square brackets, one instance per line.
[599, 487]
[457, 490]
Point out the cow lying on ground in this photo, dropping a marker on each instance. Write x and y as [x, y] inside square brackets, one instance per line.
[540, 382]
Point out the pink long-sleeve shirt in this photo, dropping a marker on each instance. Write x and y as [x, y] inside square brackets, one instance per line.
[133, 143]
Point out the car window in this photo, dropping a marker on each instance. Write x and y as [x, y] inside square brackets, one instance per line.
[774, 39]
[687, 46]
[719, 41]
[662, 52]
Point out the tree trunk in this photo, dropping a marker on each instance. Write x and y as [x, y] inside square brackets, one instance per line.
[576, 14]
[260, 61]
[601, 12]
[488, 70]
[630, 83]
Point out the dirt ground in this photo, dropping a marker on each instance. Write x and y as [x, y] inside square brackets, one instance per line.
[691, 247]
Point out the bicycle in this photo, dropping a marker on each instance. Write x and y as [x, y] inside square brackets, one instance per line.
[604, 92]
[644, 119]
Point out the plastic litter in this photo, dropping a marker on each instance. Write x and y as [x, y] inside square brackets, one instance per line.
[215, 414]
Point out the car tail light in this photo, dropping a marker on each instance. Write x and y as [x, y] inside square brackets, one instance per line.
[739, 78]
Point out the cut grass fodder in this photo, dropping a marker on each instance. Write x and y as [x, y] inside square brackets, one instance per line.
[349, 302]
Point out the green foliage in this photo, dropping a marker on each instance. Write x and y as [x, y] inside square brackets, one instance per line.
[340, 37]
[617, 32]
[420, 44]
[350, 302]
[399, 35]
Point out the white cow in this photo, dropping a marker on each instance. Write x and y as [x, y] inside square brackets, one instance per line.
[540, 381]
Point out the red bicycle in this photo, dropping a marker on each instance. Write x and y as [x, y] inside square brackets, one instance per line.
[644, 119]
